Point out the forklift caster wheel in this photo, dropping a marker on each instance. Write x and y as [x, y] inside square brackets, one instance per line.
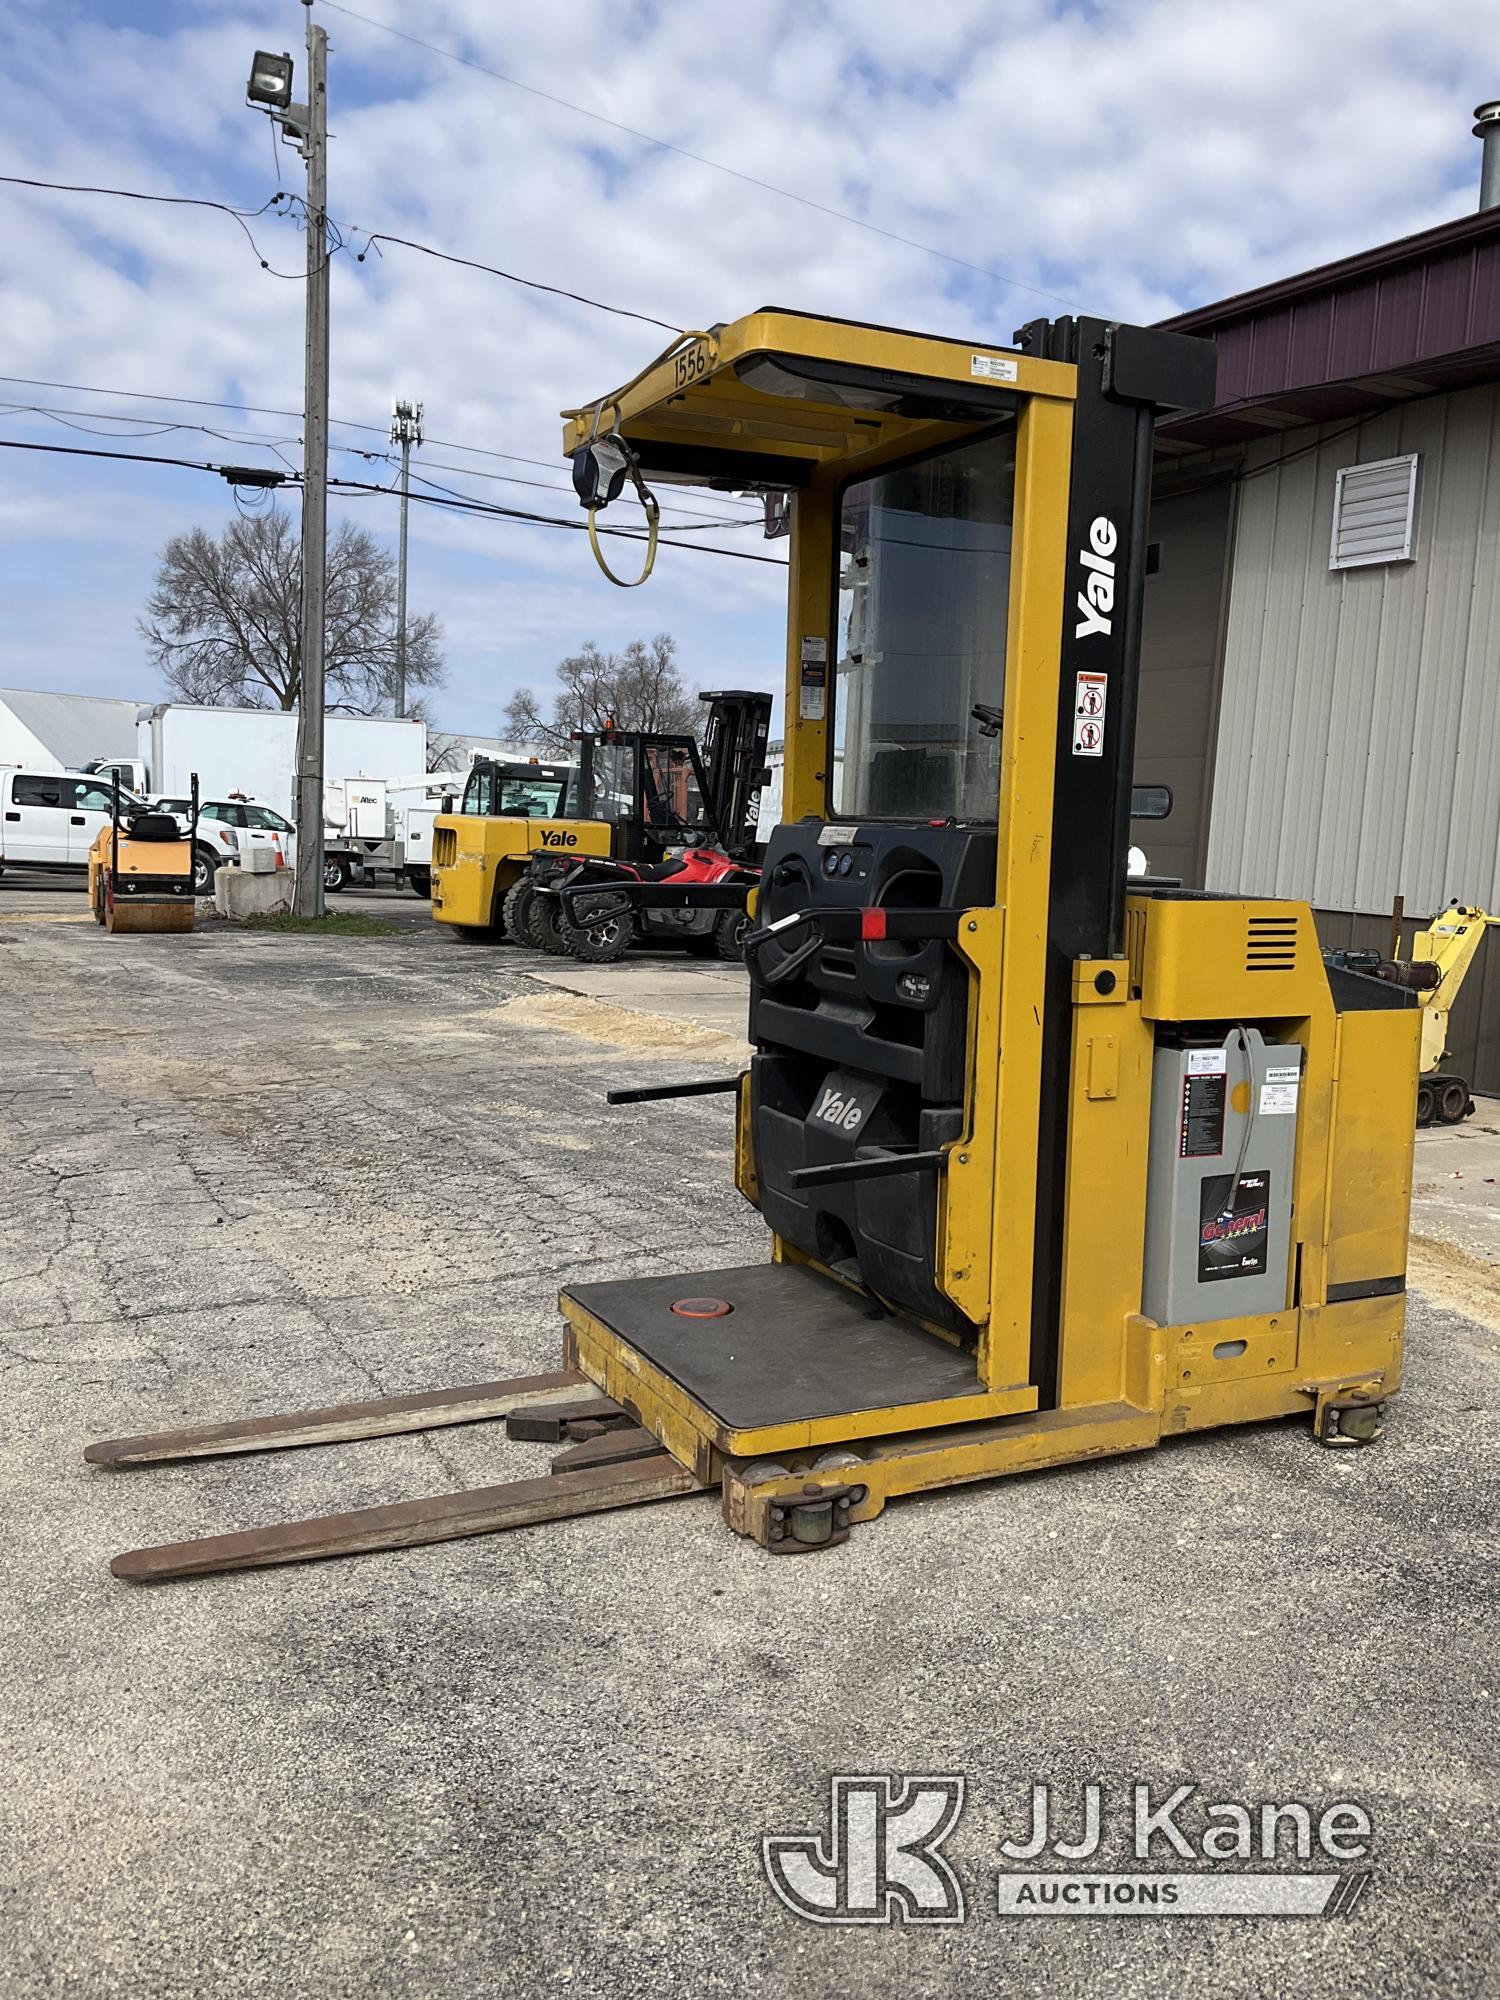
[1351, 1423]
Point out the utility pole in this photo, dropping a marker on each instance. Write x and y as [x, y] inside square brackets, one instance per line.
[305, 126]
[308, 891]
[406, 430]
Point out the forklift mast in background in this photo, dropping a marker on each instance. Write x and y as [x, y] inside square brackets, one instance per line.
[734, 763]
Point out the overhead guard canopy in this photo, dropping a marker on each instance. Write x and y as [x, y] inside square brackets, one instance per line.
[769, 399]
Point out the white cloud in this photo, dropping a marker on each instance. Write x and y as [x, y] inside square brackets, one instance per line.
[1136, 156]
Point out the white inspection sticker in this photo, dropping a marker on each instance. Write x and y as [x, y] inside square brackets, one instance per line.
[1283, 1073]
[1207, 1062]
[1278, 1100]
[992, 367]
[838, 836]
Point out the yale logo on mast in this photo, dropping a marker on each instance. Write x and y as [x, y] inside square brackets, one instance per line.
[1096, 600]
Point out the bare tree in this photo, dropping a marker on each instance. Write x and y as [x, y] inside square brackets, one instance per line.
[223, 622]
[637, 689]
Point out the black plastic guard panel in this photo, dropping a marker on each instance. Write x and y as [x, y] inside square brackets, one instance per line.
[795, 1346]
[888, 1006]
[864, 1045]
[807, 1115]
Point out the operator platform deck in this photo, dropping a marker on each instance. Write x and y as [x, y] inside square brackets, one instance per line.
[795, 1347]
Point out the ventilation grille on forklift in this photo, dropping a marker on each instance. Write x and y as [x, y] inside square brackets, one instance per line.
[444, 847]
[1271, 944]
[1135, 941]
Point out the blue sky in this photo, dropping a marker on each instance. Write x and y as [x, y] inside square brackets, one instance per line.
[1129, 158]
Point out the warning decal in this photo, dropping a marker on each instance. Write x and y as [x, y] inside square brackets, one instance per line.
[813, 696]
[1201, 1128]
[1088, 715]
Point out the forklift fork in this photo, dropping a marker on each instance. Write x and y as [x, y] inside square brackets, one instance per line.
[610, 1463]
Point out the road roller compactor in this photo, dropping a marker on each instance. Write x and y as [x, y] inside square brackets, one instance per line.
[141, 866]
[1055, 1163]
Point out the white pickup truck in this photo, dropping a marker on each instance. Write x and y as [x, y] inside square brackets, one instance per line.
[48, 819]
[242, 823]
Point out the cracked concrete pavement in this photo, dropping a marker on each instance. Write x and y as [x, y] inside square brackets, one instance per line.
[251, 1172]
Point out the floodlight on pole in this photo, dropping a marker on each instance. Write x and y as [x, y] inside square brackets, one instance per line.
[270, 81]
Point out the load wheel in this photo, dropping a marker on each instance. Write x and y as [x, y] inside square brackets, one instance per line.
[1453, 1101]
[520, 911]
[730, 933]
[1426, 1105]
[601, 943]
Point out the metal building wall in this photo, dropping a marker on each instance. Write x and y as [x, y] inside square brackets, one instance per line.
[1180, 641]
[1358, 751]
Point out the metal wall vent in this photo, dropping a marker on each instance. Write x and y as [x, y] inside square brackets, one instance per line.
[1271, 944]
[1374, 513]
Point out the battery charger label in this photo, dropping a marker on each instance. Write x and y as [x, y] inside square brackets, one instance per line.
[1201, 1135]
[1233, 1227]
[1278, 1100]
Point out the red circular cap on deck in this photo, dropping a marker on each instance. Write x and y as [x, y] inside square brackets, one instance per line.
[702, 1308]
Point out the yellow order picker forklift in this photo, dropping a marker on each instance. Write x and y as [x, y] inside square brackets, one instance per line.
[1053, 1166]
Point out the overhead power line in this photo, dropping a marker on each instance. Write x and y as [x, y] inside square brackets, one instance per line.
[493, 270]
[243, 216]
[159, 428]
[92, 451]
[708, 524]
[169, 426]
[458, 505]
[283, 202]
[343, 423]
[292, 482]
[700, 159]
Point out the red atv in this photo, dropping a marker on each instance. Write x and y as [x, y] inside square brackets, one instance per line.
[596, 908]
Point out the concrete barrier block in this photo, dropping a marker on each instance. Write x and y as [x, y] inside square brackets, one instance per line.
[240, 894]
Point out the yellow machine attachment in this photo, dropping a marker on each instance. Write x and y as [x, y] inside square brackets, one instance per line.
[1449, 944]
[1053, 1165]
[141, 869]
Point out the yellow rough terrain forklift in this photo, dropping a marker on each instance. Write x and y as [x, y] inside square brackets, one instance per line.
[1053, 1166]
[633, 796]
[481, 852]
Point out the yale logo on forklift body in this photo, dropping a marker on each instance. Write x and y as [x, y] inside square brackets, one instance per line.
[1096, 600]
[557, 838]
[841, 1108]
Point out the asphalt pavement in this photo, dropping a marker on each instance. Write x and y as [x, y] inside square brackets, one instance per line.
[246, 1172]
